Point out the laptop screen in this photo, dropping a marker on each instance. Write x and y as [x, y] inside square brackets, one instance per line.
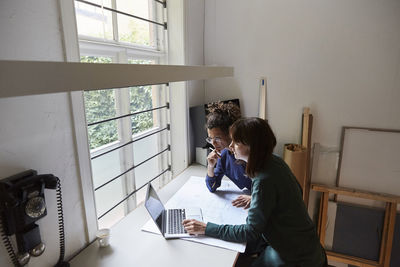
[154, 206]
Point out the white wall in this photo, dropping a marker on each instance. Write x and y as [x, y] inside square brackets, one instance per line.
[36, 132]
[341, 58]
[194, 20]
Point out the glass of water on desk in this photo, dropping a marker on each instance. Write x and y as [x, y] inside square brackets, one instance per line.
[103, 237]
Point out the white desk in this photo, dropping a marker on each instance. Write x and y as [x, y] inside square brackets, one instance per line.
[132, 247]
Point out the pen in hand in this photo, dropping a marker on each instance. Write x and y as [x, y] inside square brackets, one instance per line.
[219, 156]
[213, 150]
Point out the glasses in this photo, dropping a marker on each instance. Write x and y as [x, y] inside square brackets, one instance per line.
[215, 139]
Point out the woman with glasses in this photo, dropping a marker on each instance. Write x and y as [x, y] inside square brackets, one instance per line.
[221, 161]
[277, 213]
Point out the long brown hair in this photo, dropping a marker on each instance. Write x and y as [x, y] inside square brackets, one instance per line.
[257, 134]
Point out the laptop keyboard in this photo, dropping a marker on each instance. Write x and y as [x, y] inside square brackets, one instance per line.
[175, 218]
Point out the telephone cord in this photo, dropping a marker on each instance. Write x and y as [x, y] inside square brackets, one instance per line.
[60, 225]
[7, 243]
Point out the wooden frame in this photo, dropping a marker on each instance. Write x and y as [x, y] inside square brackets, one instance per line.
[344, 128]
[388, 225]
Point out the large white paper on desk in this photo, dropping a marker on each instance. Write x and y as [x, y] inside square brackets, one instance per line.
[216, 207]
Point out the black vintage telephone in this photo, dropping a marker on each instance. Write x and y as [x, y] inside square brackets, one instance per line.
[22, 203]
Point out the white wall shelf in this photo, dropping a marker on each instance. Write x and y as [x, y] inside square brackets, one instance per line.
[19, 78]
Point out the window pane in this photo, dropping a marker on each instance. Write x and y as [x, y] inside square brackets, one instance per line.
[93, 21]
[106, 167]
[142, 150]
[144, 173]
[100, 105]
[141, 99]
[141, 61]
[133, 30]
[93, 59]
[108, 196]
[138, 8]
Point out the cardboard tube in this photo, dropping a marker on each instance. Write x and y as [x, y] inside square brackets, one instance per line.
[296, 157]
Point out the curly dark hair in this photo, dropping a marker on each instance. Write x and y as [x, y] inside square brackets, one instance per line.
[222, 115]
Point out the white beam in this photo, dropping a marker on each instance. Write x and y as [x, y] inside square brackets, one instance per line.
[19, 78]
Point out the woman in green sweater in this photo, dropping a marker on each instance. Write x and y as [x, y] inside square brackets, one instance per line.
[277, 213]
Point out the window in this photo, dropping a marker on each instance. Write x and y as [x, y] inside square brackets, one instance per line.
[127, 127]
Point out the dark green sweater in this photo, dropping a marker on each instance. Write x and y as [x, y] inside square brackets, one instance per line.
[277, 213]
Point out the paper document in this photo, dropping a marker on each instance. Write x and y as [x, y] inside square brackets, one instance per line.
[216, 207]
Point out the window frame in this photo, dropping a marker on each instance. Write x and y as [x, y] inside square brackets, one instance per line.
[121, 52]
[71, 44]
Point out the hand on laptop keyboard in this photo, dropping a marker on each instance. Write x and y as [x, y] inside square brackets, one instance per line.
[194, 227]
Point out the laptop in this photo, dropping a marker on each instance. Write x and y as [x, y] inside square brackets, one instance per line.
[169, 221]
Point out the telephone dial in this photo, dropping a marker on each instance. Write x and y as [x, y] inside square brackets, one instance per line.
[22, 203]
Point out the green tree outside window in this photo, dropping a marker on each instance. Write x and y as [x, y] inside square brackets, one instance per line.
[100, 105]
